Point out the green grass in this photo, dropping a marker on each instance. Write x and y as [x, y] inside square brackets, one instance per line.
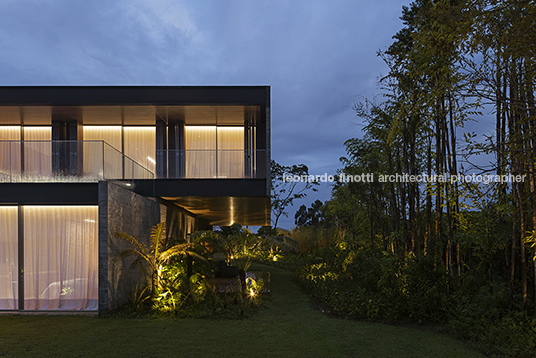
[288, 327]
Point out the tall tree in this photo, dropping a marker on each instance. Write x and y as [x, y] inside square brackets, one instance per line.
[289, 183]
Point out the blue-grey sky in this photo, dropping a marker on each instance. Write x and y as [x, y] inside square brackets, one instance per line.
[318, 56]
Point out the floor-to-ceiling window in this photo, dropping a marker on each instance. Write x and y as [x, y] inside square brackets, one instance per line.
[9, 152]
[60, 257]
[140, 146]
[37, 152]
[214, 151]
[8, 258]
[103, 159]
[200, 145]
[230, 152]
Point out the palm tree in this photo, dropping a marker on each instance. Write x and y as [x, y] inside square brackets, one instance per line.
[158, 254]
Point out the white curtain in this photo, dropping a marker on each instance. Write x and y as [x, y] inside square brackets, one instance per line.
[140, 146]
[214, 152]
[112, 167]
[109, 134]
[61, 258]
[231, 152]
[9, 152]
[37, 155]
[8, 258]
[200, 145]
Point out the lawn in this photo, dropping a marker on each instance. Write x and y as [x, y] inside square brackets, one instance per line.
[288, 327]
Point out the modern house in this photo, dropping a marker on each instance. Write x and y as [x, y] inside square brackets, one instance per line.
[78, 163]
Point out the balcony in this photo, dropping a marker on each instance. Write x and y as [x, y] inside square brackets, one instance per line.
[95, 160]
[211, 164]
[66, 161]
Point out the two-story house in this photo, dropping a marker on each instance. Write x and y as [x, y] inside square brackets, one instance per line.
[78, 163]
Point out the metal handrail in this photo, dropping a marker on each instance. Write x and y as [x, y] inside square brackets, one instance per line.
[66, 161]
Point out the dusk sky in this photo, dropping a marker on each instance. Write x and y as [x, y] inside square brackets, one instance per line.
[319, 57]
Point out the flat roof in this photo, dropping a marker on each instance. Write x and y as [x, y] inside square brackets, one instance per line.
[61, 95]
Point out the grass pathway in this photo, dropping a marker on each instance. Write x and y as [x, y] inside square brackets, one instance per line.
[289, 327]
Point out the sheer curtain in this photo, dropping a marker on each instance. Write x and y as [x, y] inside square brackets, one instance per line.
[230, 152]
[37, 155]
[140, 146]
[9, 152]
[60, 257]
[112, 168]
[109, 134]
[9, 258]
[200, 145]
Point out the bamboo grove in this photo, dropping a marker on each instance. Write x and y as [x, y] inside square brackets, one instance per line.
[453, 63]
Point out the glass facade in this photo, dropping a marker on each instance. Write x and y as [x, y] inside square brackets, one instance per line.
[192, 142]
[60, 257]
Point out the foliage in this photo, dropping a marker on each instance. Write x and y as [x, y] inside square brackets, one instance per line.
[370, 284]
[313, 236]
[172, 292]
[138, 297]
[157, 254]
[287, 326]
[310, 216]
[284, 192]
[235, 241]
[452, 252]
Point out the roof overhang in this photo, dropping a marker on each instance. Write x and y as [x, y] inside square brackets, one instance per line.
[227, 210]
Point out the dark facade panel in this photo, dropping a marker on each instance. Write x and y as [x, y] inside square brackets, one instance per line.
[49, 193]
[201, 187]
[131, 95]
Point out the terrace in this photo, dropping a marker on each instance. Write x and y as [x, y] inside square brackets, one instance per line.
[96, 160]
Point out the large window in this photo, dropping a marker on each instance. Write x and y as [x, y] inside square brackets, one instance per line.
[95, 152]
[140, 145]
[214, 152]
[9, 152]
[37, 149]
[109, 134]
[60, 264]
[8, 258]
[231, 152]
[37, 152]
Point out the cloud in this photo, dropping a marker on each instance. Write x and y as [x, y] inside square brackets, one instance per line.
[318, 56]
[159, 19]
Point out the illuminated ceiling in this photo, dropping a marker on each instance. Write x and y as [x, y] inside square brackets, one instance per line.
[127, 115]
[225, 210]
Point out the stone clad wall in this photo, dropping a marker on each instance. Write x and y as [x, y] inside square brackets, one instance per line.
[121, 210]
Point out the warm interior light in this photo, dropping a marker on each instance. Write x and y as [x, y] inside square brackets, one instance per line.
[9, 132]
[109, 134]
[38, 133]
[151, 160]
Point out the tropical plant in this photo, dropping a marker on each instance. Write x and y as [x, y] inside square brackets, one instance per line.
[239, 244]
[235, 241]
[137, 297]
[157, 254]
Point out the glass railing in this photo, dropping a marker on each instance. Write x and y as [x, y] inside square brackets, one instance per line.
[66, 161]
[209, 164]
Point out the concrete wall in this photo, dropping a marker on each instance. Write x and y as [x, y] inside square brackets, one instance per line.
[121, 210]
